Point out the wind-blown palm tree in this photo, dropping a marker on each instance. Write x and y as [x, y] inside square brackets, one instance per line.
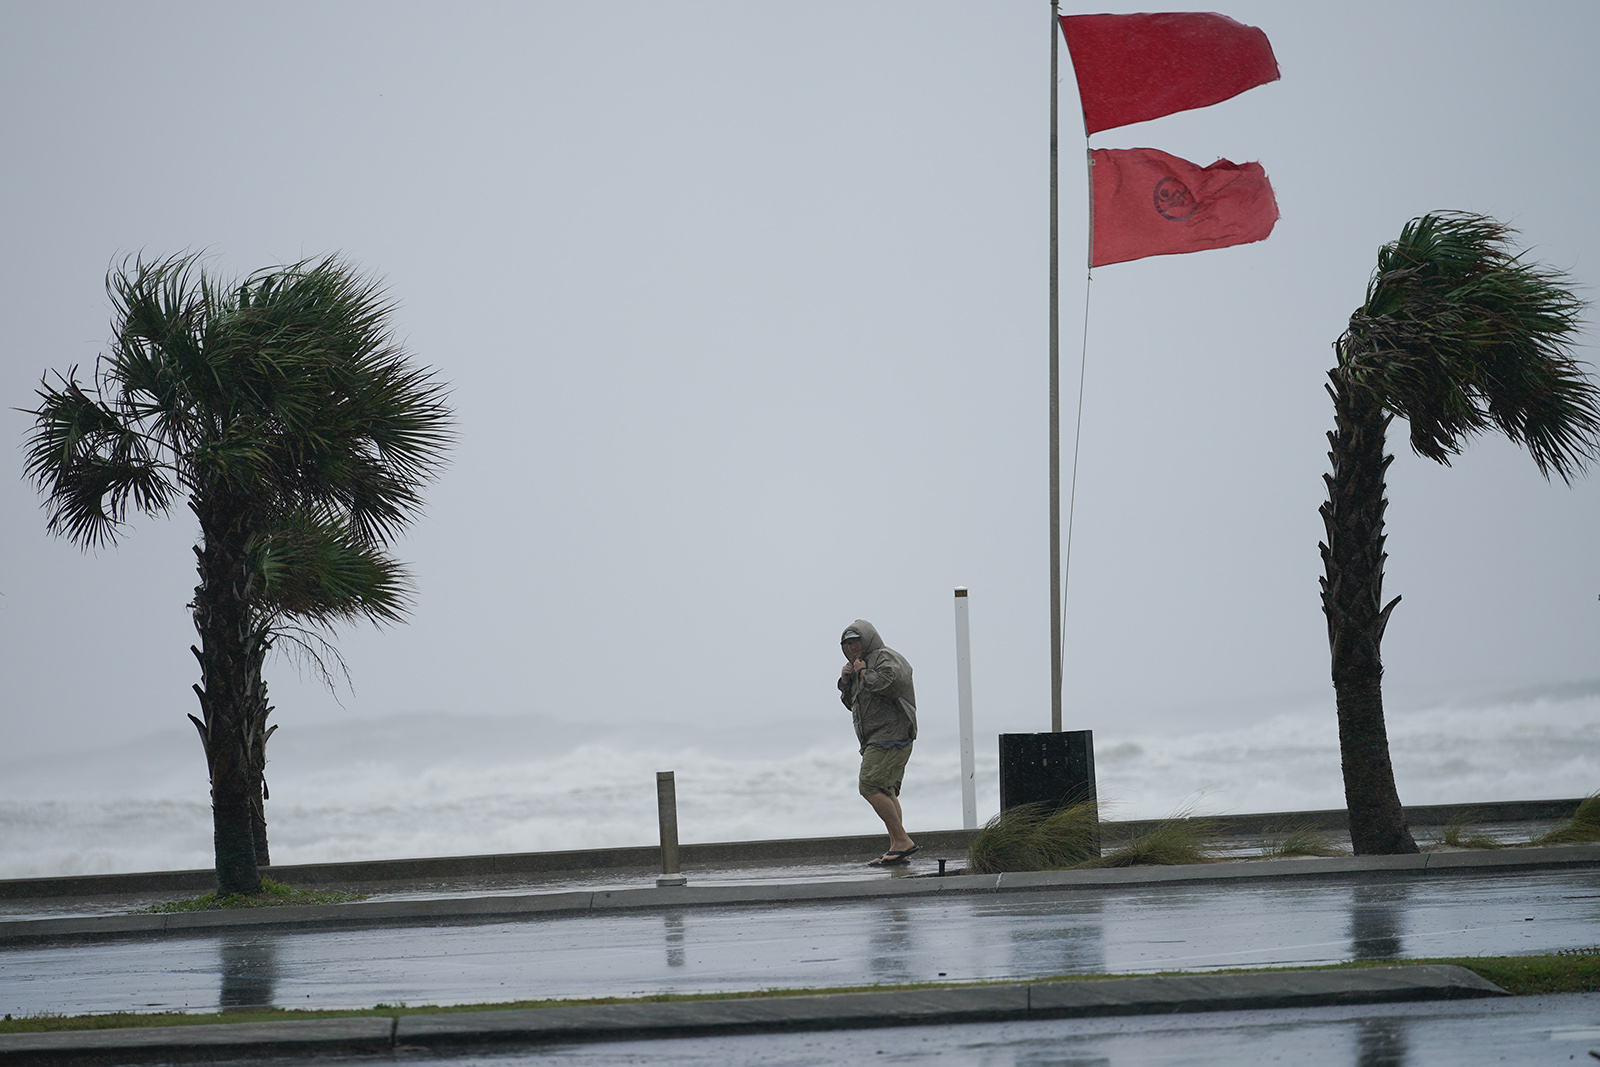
[299, 433]
[1458, 336]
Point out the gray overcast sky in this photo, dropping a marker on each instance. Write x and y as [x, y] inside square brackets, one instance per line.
[744, 308]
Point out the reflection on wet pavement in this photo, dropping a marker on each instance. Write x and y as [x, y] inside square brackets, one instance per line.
[1375, 920]
[249, 966]
[675, 930]
[1381, 1043]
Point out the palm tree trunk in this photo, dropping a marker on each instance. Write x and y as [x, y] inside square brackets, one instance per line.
[1352, 592]
[257, 786]
[229, 648]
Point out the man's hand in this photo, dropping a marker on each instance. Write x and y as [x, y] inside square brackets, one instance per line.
[859, 665]
[846, 671]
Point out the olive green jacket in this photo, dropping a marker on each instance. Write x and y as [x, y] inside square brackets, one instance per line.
[882, 703]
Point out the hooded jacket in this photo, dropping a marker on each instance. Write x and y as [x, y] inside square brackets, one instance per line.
[882, 703]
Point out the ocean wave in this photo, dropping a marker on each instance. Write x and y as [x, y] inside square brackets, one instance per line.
[423, 786]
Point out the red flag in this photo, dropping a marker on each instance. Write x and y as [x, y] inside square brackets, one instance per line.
[1132, 68]
[1148, 203]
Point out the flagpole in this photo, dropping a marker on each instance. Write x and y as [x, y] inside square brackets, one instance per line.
[1055, 386]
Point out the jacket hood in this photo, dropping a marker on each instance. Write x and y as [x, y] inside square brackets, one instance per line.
[870, 641]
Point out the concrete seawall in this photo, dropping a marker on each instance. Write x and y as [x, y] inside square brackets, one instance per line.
[445, 869]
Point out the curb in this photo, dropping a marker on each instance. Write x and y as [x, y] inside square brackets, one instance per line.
[831, 1011]
[509, 908]
[200, 1042]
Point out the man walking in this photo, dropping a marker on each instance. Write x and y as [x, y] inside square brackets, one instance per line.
[875, 685]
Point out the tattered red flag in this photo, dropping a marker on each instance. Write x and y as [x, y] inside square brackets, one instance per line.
[1132, 68]
[1149, 203]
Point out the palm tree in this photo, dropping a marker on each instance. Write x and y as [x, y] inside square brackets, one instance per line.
[1457, 336]
[300, 436]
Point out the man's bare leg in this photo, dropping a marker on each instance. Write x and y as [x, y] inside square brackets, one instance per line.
[888, 809]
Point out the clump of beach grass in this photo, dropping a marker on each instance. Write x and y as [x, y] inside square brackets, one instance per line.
[1458, 835]
[1035, 837]
[1173, 841]
[1299, 841]
[1582, 828]
[272, 895]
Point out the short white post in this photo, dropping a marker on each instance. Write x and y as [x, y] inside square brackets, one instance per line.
[969, 787]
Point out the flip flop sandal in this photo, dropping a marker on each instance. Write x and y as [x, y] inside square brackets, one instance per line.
[894, 859]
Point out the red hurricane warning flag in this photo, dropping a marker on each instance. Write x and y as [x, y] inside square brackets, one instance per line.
[1132, 68]
[1149, 203]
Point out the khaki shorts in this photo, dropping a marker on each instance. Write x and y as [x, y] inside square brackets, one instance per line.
[882, 769]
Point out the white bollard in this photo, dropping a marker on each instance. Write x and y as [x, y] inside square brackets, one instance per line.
[969, 787]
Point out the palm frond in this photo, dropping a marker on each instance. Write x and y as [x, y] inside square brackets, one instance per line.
[157, 363]
[314, 568]
[1458, 335]
[310, 649]
[91, 465]
[355, 425]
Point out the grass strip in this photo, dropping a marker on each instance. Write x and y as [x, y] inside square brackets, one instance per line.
[1570, 970]
[1565, 971]
[272, 895]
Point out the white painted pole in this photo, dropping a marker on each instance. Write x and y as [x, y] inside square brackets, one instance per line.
[969, 787]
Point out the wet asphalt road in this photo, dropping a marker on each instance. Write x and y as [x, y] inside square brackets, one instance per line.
[1014, 935]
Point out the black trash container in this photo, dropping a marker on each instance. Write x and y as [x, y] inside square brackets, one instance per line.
[1053, 768]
